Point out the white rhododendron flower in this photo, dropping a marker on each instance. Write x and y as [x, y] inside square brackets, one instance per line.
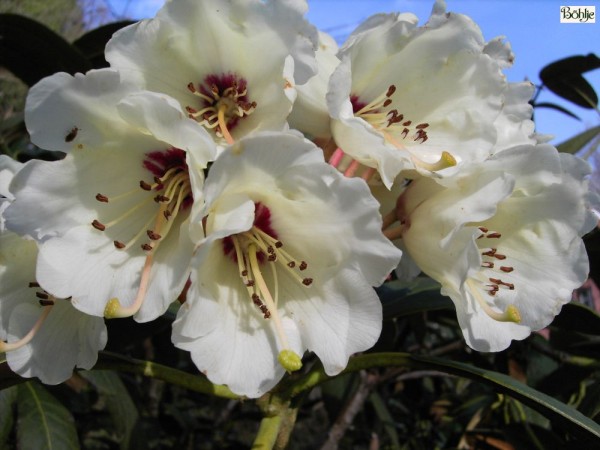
[225, 62]
[111, 217]
[424, 98]
[504, 240]
[310, 114]
[42, 337]
[291, 253]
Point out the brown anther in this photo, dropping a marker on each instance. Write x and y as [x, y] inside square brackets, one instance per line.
[72, 134]
[499, 256]
[214, 89]
[404, 132]
[291, 264]
[390, 90]
[489, 265]
[162, 199]
[167, 214]
[146, 247]
[494, 236]
[422, 126]
[250, 283]
[303, 265]
[407, 123]
[483, 229]
[157, 180]
[278, 244]
[102, 198]
[387, 103]
[506, 269]
[42, 295]
[145, 186]
[272, 257]
[118, 244]
[307, 281]
[256, 300]
[46, 302]
[244, 273]
[490, 252]
[153, 235]
[265, 311]
[495, 280]
[191, 87]
[98, 226]
[191, 110]
[270, 249]
[34, 284]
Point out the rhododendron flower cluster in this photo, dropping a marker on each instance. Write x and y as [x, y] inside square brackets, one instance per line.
[233, 153]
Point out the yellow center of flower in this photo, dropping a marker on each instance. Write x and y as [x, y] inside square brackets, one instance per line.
[224, 101]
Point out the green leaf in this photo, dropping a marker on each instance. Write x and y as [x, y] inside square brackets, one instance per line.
[44, 423]
[403, 299]
[560, 414]
[557, 108]
[8, 398]
[564, 78]
[119, 402]
[579, 141]
[32, 51]
[92, 43]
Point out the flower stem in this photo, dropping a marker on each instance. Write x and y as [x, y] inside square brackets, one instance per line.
[267, 433]
[193, 382]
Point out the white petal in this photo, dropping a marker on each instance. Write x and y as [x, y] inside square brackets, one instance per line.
[343, 319]
[163, 117]
[67, 339]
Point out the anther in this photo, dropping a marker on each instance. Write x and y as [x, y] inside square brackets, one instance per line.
[43, 302]
[34, 284]
[506, 269]
[278, 244]
[487, 264]
[291, 264]
[42, 295]
[191, 88]
[390, 90]
[422, 126]
[303, 265]
[98, 226]
[152, 235]
[494, 236]
[118, 244]
[102, 198]
[145, 186]
[307, 281]
[483, 229]
[388, 102]
[499, 256]
[146, 247]
[162, 199]
[167, 214]
[256, 300]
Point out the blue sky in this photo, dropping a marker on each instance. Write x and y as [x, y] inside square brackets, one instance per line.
[532, 27]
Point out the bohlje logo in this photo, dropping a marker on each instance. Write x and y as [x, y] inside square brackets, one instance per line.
[578, 14]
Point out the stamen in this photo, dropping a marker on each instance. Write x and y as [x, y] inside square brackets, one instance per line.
[511, 314]
[102, 198]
